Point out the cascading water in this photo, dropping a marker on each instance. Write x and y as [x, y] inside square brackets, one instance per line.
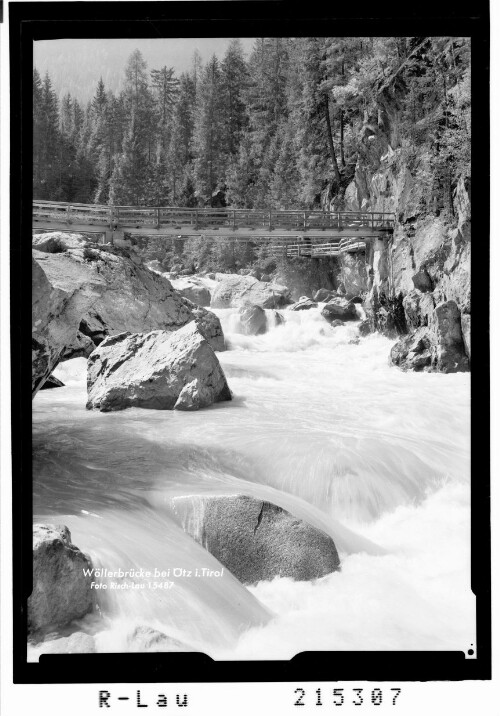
[319, 424]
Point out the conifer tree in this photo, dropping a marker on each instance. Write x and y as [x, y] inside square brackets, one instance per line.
[208, 134]
[234, 81]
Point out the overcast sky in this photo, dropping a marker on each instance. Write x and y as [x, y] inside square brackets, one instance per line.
[76, 65]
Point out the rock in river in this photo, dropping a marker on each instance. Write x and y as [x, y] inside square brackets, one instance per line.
[195, 292]
[253, 320]
[96, 292]
[234, 291]
[61, 591]
[437, 347]
[158, 370]
[339, 308]
[257, 540]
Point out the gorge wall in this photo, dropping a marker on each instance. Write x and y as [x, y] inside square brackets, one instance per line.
[426, 262]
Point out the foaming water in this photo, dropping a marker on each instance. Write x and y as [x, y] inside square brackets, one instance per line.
[319, 424]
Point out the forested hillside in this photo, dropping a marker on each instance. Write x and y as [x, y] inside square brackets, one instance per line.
[285, 129]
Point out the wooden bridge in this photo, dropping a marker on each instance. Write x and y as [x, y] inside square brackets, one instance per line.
[311, 233]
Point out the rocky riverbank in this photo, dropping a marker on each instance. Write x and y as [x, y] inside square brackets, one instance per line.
[83, 292]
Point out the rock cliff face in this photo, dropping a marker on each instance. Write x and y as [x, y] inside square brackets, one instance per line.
[81, 291]
[426, 263]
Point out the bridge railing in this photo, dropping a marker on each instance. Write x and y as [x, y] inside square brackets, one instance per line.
[210, 218]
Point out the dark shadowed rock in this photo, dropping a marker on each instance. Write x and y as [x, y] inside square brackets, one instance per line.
[257, 540]
[52, 382]
[449, 354]
[303, 304]
[437, 347]
[81, 347]
[413, 352]
[157, 370]
[61, 591]
[365, 327]
[337, 323]
[465, 323]
[265, 277]
[422, 281]
[339, 308]
[253, 320]
[234, 291]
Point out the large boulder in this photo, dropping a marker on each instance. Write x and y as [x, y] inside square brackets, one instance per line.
[257, 540]
[100, 291]
[200, 295]
[253, 320]
[339, 308]
[158, 370]
[437, 347]
[234, 291]
[61, 590]
[303, 304]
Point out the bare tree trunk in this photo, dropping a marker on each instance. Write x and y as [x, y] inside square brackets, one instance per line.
[330, 140]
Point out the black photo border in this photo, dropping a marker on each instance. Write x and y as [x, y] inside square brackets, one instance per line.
[31, 21]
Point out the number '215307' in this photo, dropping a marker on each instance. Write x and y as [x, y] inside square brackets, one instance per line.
[339, 697]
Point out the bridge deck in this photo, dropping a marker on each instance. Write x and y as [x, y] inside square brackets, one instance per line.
[310, 232]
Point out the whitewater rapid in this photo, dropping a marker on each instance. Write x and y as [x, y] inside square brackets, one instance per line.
[319, 424]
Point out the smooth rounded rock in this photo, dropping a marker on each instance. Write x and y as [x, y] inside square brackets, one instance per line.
[257, 540]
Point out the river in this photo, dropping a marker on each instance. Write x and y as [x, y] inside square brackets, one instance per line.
[319, 424]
